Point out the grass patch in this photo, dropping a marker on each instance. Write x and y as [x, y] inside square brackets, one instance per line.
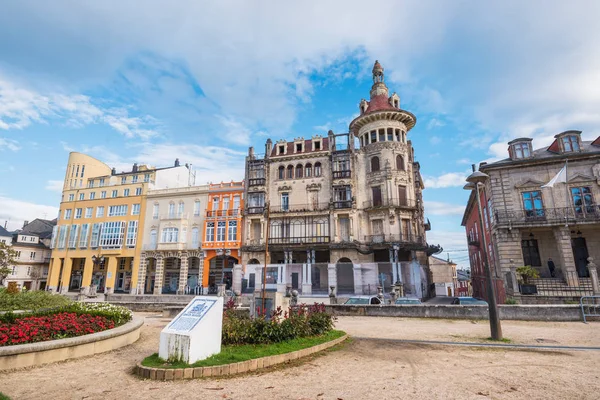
[30, 300]
[503, 340]
[239, 353]
[4, 397]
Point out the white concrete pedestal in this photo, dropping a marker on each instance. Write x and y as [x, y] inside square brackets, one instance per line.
[195, 333]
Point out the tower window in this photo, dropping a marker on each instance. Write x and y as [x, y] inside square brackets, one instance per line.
[382, 135]
[318, 169]
[317, 145]
[281, 174]
[290, 172]
[374, 164]
[298, 147]
[521, 150]
[281, 149]
[390, 135]
[570, 143]
[373, 136]
[399, 163]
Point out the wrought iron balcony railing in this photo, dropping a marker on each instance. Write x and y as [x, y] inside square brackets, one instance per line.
[223, 213]
[549, 216]
[299, 240]
[342, 204]
[299, 207]
[389, 203]
[393, 238]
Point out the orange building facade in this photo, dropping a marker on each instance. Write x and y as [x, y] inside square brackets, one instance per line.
[222, 236]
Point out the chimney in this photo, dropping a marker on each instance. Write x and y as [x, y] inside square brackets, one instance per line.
[135, 168]
[268, 148]
[251, 151]
[114, 171]
[25, 223]
[177, 162]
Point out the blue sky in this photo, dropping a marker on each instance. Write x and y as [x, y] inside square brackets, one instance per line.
[202, 83]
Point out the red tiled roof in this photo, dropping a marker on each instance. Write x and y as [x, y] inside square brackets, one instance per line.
[554, 147]
[380, 102]
[308, 148]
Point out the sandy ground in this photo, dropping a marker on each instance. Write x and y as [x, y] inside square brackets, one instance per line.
[361, 369]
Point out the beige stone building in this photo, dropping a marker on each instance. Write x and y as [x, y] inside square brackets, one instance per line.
[343, 210]
[32, 244]
[444, 279]
[529, 224]
[171, 261]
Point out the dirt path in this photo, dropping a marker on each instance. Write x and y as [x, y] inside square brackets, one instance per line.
[362, 369]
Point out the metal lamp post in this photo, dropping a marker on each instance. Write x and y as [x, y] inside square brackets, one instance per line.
[475, 180]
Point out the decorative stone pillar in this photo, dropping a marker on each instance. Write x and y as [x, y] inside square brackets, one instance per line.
[183, 273]
[159, 275]
[141, 282]
[201, 271]
[236, 285]
[332, 276]
[358, 282]
[306, 278]
[513, 278]
[562, 235]
[593, 270]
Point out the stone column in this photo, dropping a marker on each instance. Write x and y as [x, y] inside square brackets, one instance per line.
[65, 278]
[306, 281]
[513, 278]
[141, 282]
[508, 245]
[562, 235]
[358, 284]
[53, 275]
[111, 272]
[159, 275]
[88, 270]
[593, 270]
[332, 276]
[236, 285]
[201, 270]
[183, 273]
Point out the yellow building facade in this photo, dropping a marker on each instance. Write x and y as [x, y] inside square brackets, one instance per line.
[96, 243]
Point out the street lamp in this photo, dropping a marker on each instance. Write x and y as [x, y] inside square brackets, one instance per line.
[476, 180]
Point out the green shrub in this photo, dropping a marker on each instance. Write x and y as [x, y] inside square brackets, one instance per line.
[30, 300]
[526, 272]
[510, 300]
[301, 321]
[12, 288]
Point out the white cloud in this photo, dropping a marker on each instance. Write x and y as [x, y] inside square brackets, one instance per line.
[17, 211]
[55, 186]
[21, 107]
[453, 242]
[450, 179]
[234, 131]
[9, 144]
[435, 123]
[464, 161]
[435, 140]
[441, 208]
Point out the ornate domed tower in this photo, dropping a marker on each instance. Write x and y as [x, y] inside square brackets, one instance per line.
[389, 183]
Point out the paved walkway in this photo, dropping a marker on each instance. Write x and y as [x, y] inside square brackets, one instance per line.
[368, 368]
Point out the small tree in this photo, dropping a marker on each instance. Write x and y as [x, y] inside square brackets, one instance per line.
[526, 272]
[7, 260]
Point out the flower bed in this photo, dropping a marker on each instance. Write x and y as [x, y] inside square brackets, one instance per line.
[64, 322]
[30, 300]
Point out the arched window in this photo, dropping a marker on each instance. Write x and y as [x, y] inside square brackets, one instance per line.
[195, 237]
[299, 171]
[318, 169]
[374, 164]
[171, 210]
[290, 172]
[180, 209]
[170, 235]
[308, 170]
[399, 163]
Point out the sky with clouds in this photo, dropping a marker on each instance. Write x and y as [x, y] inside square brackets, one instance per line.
[201, 83]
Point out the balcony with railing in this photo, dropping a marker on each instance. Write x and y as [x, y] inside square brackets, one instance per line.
[393, 238]
[306, 207]
[256, 181]
[342, 174]
[223, 213]
[174, 216]
[255, 209]
[549, 216]
[289, 240]
[378, 203]
[338, 204]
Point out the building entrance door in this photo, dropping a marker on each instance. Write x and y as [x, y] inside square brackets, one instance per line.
[294, 280]
[580, 253]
